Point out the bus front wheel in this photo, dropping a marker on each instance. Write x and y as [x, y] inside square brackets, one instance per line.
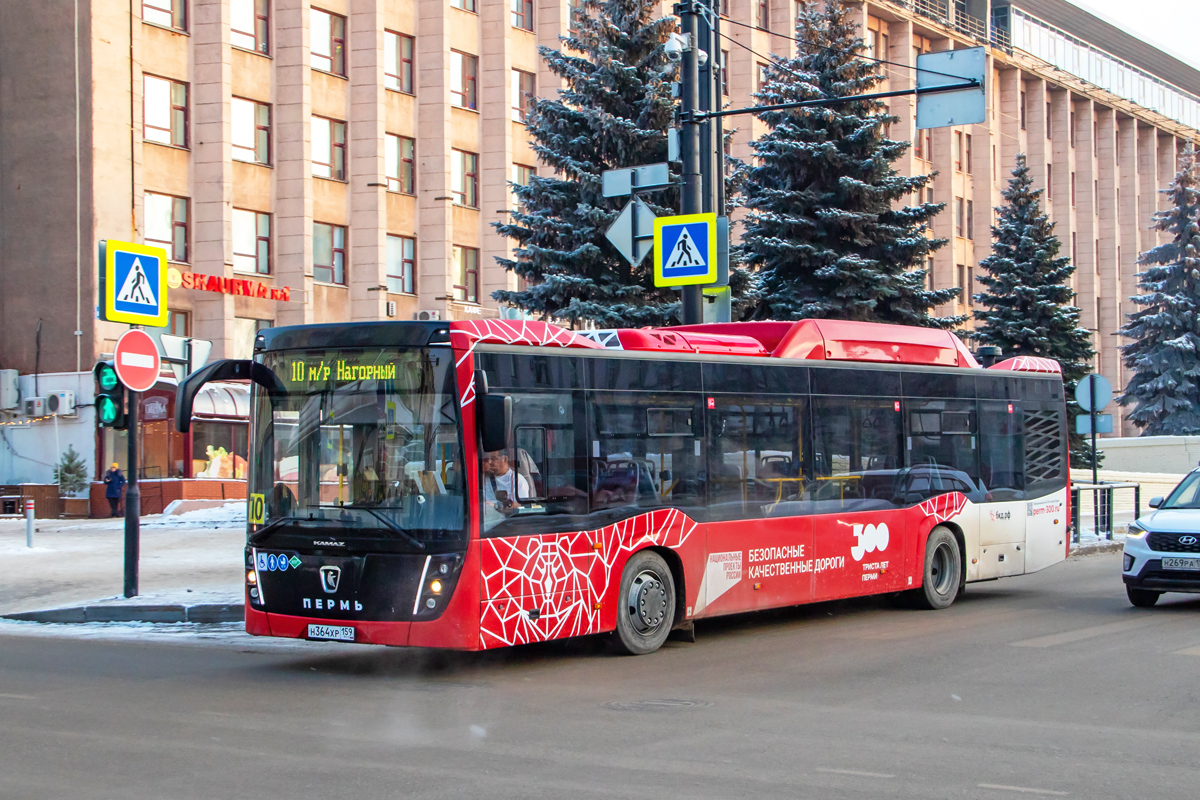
[943, 571]
[647, 605]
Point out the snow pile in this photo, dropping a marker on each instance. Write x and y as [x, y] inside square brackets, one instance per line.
[229, 515]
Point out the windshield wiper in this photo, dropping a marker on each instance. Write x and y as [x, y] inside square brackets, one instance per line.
[280, 522]
[374, 512]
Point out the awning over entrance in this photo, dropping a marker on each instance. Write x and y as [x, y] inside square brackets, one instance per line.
[224, 401]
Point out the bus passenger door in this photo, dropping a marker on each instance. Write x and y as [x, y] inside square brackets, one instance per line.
[759, 539]
[859, 536]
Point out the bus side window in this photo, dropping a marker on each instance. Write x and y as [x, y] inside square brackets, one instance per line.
[857, 459]
[1002, 450]
[942, 449]
[757, 455]
[646, 450]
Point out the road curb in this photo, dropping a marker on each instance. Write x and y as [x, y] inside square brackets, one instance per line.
[200, 613]
[1103, 547]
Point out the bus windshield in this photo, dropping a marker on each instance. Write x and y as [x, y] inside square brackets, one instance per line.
[364, 443]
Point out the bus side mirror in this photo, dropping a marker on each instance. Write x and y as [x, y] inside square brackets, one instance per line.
[495, 421]
[1155, 502]
[224, 370]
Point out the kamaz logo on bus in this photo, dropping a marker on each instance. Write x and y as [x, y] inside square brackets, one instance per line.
[870, 538]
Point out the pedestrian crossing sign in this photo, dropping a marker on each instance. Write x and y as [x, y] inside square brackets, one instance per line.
[685, 250]
[133, 283]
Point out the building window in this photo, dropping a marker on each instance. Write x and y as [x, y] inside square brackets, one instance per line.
[328, 148]
[167, 225]
[522, 14]
[168, 13]
[164, 111]
[958, 149]
[1072, 190]
[763, 15]
[464, 178]
[762, 76]
[466, 274]
[1049, 179]
[970, 286]
[400, 164]
[521, 174]
[724, 73]
[1023, 114]
[250, 131]
[462, 79]
[1072, 131]
[398, 50]
[1048, 127]
[179, 323]
[327, 38]
[524, 87]
[465, 5]
[929, 273]
[924, 148]
[962, 283]
[970, 219]
[250, 24]
[576, 11]
[329, 253]
[251, 241]
[401, 264]
[959, 217]
[967, 154]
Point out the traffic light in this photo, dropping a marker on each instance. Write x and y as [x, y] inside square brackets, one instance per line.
[110, 397]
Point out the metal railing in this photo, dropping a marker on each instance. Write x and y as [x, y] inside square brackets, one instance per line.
[1103, 508]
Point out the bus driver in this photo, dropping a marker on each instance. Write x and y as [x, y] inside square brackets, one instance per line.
[502, 487]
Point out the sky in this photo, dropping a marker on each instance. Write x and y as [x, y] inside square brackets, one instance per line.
[1173, 25]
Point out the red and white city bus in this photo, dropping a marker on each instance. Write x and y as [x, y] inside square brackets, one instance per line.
[473, 485]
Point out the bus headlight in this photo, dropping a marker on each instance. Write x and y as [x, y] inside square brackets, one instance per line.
[435, 586]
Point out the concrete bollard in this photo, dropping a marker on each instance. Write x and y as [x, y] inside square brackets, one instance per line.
[29, 526]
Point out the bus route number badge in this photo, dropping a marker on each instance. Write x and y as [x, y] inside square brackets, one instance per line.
[256, 514]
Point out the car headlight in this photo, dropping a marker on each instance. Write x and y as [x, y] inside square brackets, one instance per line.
[1136, 531]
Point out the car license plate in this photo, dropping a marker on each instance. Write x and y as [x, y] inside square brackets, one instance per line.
[341, 633]
[1181, 563]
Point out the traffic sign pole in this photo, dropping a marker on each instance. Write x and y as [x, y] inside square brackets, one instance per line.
[137, 364]
[133, 499]
[692, 196]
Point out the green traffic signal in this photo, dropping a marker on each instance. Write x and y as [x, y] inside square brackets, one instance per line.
[106, 410]
[106, 376]
[110, 397]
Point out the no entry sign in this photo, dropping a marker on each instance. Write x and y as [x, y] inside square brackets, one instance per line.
[137, 361]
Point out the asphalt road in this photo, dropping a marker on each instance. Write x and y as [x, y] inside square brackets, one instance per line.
[1047, 685]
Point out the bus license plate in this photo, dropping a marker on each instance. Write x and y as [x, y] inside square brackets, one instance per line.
[341, 633]
[1181, 563]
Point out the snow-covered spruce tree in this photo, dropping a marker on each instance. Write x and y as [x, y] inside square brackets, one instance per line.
[1165, 352]
[71, 474]
[1026, 301]
[826, 227]
[613, 111]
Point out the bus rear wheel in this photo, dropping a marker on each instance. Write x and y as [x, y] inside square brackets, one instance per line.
[647, 604]
[943, 571]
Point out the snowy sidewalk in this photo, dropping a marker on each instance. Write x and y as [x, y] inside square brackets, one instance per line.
[192, 559]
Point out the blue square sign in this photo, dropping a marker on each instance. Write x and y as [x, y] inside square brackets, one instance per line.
[685, 250]
[133, 283]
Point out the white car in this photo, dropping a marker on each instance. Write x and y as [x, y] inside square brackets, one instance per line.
[1162, 550]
